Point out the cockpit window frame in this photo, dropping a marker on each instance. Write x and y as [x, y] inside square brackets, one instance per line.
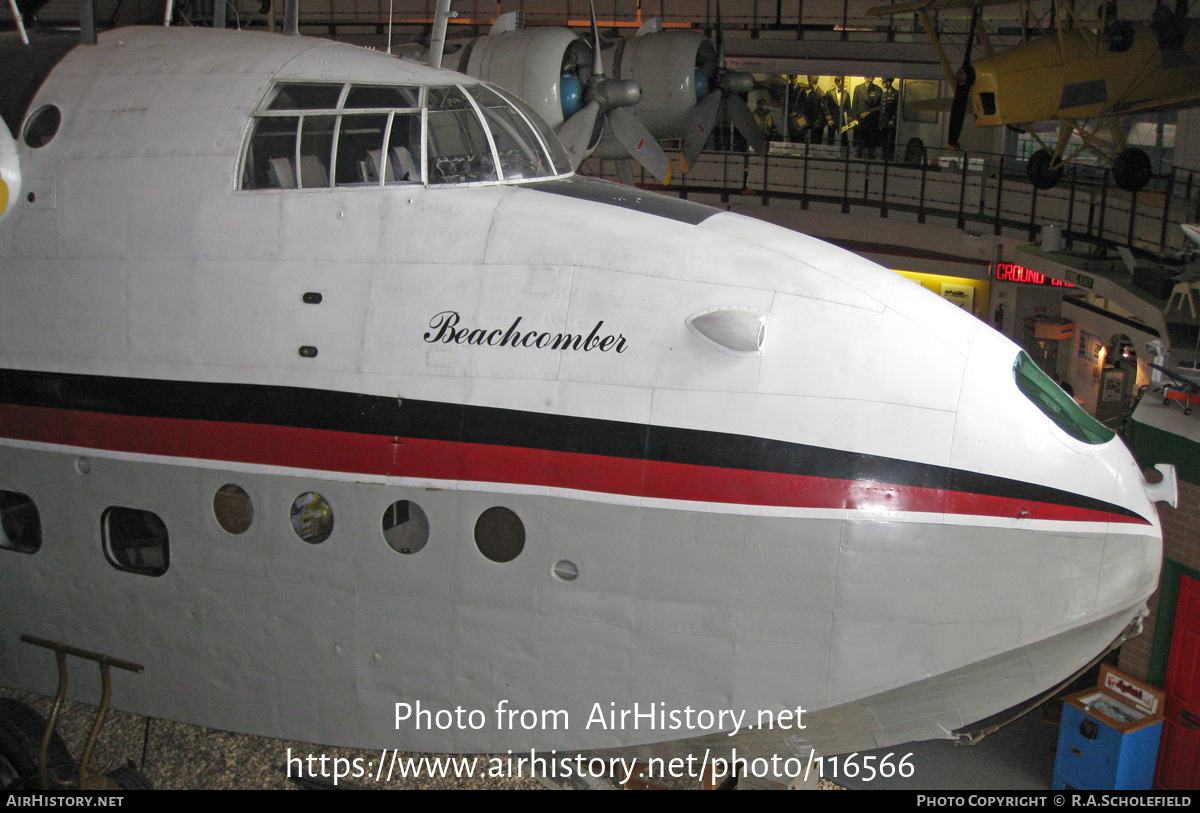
[1053, 402]
[266, 109]
[540, 129]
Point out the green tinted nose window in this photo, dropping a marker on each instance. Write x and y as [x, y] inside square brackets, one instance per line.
[1056, 404]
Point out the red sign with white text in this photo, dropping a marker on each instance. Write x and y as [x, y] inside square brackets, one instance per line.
[1007, 272]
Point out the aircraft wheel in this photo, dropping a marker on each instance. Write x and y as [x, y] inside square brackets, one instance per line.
[1131, 169]
[21, 730]
[1039, 172]
[128, 777]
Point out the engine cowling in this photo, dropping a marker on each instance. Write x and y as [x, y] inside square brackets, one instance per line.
[547, 68]
[10, 172]
[675, 69]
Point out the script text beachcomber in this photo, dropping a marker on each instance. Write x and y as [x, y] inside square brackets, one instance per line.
[444, 328]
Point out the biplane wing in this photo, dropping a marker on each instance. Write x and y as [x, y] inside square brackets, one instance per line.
[1148, 104]
[1074, 75]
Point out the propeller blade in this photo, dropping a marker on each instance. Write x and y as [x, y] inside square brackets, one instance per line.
[638, 142]
[958, 108]
[962, 91]
[597, 61]
[743, 120]
[720, 40]
[576, 132]
[698, 127]
[971, 35]
[958, 113]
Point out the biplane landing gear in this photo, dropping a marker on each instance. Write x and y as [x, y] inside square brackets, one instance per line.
[1039, 171]
[1131, 169]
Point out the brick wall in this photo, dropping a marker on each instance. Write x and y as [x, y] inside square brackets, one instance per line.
[1181, 542]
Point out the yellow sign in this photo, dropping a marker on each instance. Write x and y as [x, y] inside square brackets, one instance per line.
[969, 294]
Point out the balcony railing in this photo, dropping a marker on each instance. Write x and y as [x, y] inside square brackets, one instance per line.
[978, 192]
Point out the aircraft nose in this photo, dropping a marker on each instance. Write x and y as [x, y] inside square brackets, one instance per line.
[1068, 485]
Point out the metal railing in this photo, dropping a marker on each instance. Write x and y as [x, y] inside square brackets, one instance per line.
[834, 19]
[979, 192]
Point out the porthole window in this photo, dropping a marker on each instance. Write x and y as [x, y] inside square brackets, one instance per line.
[135, 541]
[233, 509]
[20, 523]
[405, 526]
[312, 517]
[500, 534]
[42, 126]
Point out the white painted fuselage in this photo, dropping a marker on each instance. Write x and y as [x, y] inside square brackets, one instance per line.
[866, 502]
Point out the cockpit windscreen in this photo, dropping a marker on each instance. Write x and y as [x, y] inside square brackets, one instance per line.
[330, 135]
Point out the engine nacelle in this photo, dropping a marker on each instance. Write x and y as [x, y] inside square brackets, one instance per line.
[533, 64]
[10, 172]
[675, 70]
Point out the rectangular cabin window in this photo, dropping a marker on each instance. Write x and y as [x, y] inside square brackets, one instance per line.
[135, 541]
[297, 96]
[20, 523]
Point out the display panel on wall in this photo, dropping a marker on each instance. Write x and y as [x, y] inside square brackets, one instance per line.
[920, 90]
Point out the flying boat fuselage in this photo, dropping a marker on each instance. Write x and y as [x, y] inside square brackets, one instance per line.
[330, 389]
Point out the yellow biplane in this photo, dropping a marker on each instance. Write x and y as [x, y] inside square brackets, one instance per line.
[1074, 74]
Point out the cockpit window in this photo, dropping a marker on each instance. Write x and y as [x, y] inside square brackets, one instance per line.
[360, 149]
[312, 135]
[316, 134]
[271, 160]
[368, 96]
[558, 155]
[291, 96]
[1056, 405]
[459, 148]
[520, 149]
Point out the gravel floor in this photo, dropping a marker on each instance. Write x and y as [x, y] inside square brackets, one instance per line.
[179, 756]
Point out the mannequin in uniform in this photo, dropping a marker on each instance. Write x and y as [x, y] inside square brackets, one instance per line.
[765, 120]
[837, 112]
[814, 109]
[799, 124]
[887, 119]
[868, 103]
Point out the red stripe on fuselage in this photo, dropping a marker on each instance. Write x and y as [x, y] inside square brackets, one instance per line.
[328, 450]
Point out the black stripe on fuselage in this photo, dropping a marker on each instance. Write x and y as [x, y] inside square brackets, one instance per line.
[627, 197]
[431, 420]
